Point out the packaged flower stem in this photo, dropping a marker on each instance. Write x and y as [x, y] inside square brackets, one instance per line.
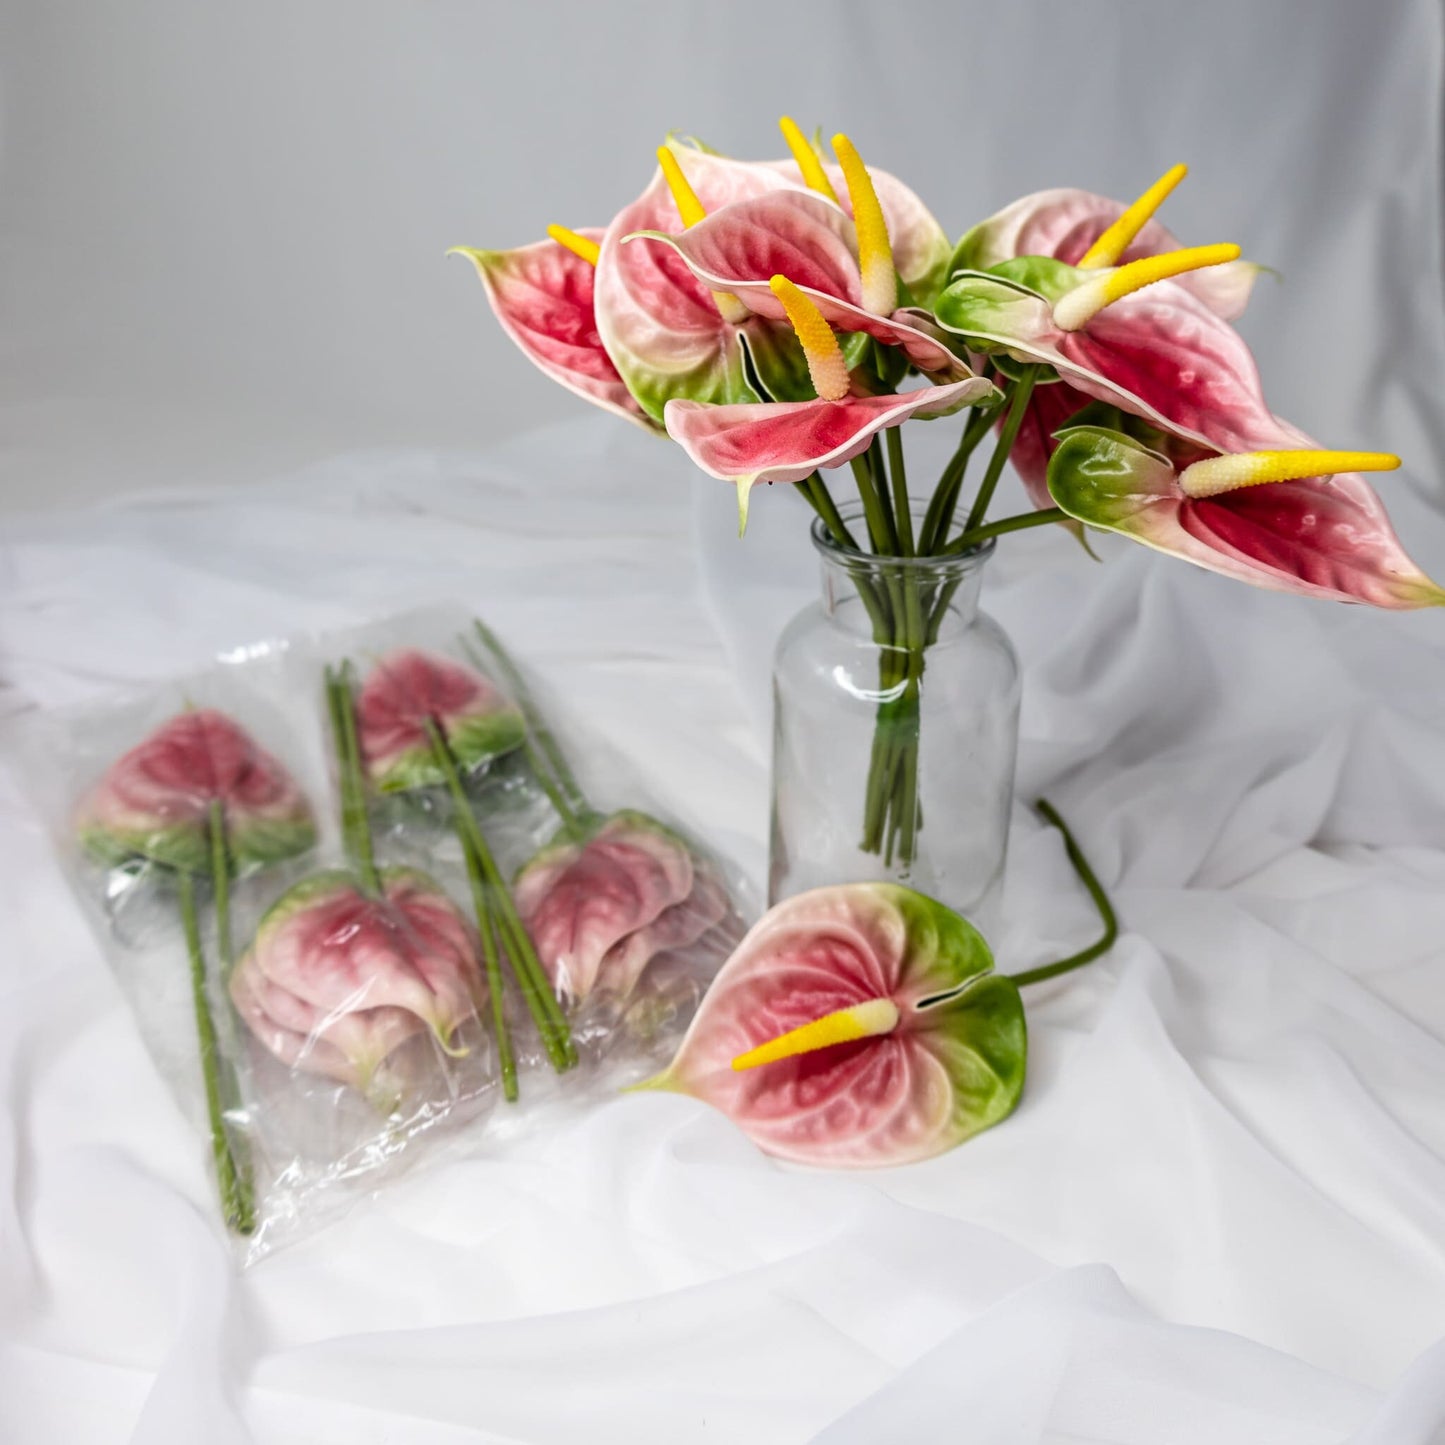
[362, 896]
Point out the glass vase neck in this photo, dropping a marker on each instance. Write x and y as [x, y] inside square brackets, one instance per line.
[858, 586]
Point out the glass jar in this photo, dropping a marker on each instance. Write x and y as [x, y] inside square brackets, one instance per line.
[895, 730]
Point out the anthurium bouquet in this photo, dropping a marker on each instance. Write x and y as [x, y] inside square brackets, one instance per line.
[779, 319]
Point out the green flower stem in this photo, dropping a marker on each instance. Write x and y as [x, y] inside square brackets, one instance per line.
[815, 489]
[536, 725]
[873, 512]
[1045, 517]
[1018, 405]
[231, 1096]
[551, 1023]
[355, 825]
[237, 1200]
[1096, 891]
[944, 501]
[506, 1062]
[879, 467]
[902, 516]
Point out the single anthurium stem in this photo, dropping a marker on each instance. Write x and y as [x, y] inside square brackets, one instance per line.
[815, 489]
[1043, 518]
[902, 516]
[944, 502]
[230, 1083]
[1018, 405]
[1096, 891]
[486, 927]
[546, 1011]
[237, 1201]
[355, 825]
[536, 725]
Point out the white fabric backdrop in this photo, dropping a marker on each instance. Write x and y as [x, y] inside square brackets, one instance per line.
[1217, 1215]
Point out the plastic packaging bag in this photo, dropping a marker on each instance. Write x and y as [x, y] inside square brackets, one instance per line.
[362, 890]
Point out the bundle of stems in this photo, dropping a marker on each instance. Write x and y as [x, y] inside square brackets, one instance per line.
[502, 932]
[906, 603]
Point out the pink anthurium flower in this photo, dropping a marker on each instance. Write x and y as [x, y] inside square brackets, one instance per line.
[1093, 231]
[846, 267]
[335, 979]
[789, 441]
[155, 801]
[407, 690]
[1130, 337]
[857, 1025]
[542, 294]
[583, 900]
[1291, 518]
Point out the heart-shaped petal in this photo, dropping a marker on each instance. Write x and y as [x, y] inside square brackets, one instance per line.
[542, 295]
[328, 947]
[581, 899]
[806, 238]
[788, 441]
[1321, 536]
[155, 801]
[949, 1063]
[660, 325]
[1064, 223]
[408, 689]
[1159, 353]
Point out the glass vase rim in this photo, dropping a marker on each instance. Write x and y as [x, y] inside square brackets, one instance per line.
[832, 550]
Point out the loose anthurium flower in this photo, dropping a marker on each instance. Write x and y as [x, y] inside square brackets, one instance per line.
[598, 908]
[788, 441]
[1291, 518]
[845, 265]
[156, 801]
[409, 690]
[857, 1025]
[336, 978]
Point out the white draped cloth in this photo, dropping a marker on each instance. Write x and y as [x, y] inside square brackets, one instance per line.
[1218, 1214]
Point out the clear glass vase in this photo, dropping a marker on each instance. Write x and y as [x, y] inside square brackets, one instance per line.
[895, 730]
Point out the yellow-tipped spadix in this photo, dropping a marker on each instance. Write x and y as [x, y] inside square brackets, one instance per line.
[826, 366]
[581, 246]
[860, 1021]
[1251, 469]
[814, 176]
[691, 210]
[1118, 238]
[875, 254]
[688, 205]
[1072, 311]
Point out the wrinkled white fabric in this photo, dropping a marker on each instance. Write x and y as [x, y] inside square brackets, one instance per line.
[1217, 1214]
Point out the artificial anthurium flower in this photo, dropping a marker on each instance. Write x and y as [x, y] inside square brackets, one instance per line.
[845, 266]
[788, 441]
[599, 907]
[1291, 517]
[409, 691]
[857, 1025]
[631, 329]
[156, 801]
[337, 978]
[1092, 231]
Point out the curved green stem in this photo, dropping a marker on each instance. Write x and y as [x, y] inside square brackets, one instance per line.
[1018, 405]
[486, 927]
[1045, 517]
[944, 502]
[536, 724]
[1096, 892]
[355, 825]
[237, 1200]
